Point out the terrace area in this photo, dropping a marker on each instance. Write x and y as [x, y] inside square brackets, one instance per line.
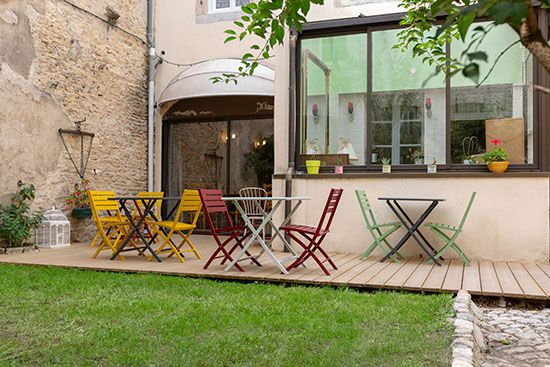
[525, 280]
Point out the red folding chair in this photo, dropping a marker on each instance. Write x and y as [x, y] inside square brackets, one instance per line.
[314, 236]
[212, 204]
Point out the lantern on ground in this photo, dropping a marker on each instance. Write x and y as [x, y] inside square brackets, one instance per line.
[54, 231]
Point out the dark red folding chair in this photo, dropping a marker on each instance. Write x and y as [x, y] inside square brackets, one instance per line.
[212, 204]
[314, 236]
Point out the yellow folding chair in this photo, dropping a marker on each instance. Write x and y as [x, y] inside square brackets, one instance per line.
[111, 226]
[190, 203]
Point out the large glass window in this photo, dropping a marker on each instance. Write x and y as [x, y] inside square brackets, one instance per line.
[334, 92]
[399, 111]
[500, 110]
[408, 106]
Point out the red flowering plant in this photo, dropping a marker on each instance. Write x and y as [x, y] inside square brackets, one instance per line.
[78, 198]
[497, 154]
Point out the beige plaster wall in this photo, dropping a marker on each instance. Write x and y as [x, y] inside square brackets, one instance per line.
[508, 220]
[59, 64]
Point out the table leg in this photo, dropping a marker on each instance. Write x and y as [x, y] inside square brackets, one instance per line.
[148, 204]
[277, 233]
[418, 228]
[256, 235]
[411, 231]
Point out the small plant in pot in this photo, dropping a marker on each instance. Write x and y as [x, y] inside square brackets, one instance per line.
[496, 158]
[339, 167]
[386, 166]
[416, 156]
[77, 201]
[16, 220]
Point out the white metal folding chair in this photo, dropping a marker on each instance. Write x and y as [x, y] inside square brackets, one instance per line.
[255, 210]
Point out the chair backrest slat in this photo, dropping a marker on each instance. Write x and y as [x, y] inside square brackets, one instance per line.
[101, 201]
[366, 209]
[253, 207]
[212, 203]
[190, 202]
[330, 209]
[467, 211]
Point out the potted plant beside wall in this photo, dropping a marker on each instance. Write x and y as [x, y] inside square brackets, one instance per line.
[17, 222]
[78, 202]
[496, 158]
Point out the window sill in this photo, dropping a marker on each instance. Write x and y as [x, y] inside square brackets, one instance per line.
[445, 174]
[219, 17]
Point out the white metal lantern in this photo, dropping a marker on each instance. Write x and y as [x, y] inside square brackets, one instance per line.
[54, 231]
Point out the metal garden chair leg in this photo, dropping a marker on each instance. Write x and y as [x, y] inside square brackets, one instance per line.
[450, 240]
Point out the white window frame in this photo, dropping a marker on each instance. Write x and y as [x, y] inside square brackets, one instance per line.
[232, 7]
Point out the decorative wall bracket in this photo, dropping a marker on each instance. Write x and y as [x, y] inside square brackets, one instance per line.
[84, 156]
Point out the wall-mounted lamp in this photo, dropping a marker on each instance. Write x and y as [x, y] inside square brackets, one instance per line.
[233, 136]
[315, 112]
[428, 104]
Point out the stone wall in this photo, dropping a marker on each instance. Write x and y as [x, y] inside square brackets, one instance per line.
[61, 62]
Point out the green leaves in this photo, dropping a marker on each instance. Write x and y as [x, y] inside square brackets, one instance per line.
[471, 71]
[16, 221]
[267, 20]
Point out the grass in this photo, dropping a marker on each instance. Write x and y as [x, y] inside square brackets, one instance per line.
[71, 317]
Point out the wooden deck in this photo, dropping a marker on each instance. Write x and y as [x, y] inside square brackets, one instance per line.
[509, 279]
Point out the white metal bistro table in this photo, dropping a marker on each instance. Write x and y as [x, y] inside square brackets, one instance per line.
[267, 219]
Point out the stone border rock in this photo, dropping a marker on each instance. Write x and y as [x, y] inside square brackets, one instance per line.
[468, 341]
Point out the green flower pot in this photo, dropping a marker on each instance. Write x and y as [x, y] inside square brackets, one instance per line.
[81, 213]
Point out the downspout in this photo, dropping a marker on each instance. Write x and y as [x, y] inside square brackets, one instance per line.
[291, 118]
[151, 99]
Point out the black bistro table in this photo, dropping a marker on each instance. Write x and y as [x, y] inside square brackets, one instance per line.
[413, 228]
[137, 223]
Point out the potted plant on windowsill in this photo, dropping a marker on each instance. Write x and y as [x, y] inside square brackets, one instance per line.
[386, 166]
[496, 158]
[416, 156]
[312, 166]
[78, 202]
[339, 167]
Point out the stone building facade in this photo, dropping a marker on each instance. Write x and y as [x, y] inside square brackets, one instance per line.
[61, 61]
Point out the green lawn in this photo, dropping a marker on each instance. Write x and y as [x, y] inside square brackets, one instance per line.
[70, 317]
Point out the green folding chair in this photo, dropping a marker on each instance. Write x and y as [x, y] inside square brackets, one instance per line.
[449, 234]
[379, 232]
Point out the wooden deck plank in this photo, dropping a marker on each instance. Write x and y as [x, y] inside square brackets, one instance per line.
[508, 283]
[385, 274]
[539, 276]
[489, 280]
[434, 281]
[453, 279]
[348, 275]
[366, 275]
[399, 278]
[545, 268]
[356, 260]
[471, 280]
[418, 277]
[318, 276]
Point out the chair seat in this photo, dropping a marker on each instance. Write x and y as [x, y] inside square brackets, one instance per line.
[180, 226]
[302, 229]
[441, 225]
[389, 224]
[113, 220]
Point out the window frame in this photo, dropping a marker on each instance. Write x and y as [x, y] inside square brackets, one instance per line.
[370, 24]
[231, 9]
